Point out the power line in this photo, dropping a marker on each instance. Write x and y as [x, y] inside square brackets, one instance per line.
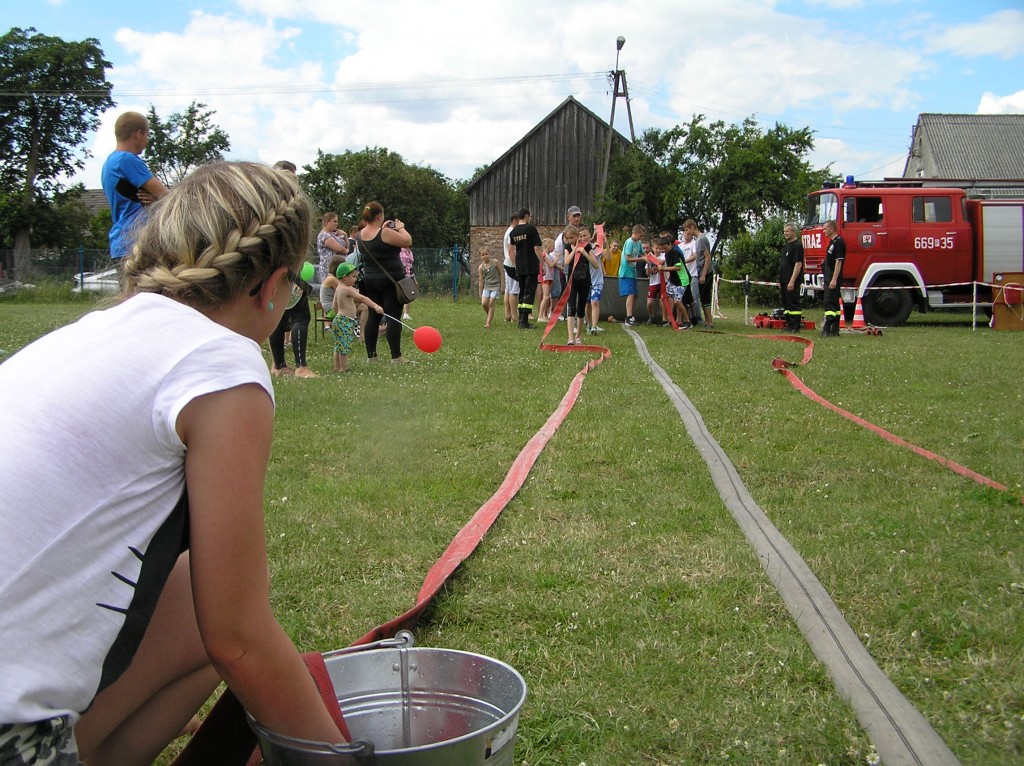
[389, 93]
[660, 97]
[413, 85]
[867, 173]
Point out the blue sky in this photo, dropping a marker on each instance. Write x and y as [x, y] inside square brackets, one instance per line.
[453, 83]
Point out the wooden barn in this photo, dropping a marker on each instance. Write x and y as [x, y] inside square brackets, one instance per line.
[556, 165]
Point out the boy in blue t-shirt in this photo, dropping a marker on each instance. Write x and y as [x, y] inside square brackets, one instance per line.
[632, 254]
[128, 183]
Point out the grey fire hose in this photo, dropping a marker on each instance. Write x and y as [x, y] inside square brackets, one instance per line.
[899, 732]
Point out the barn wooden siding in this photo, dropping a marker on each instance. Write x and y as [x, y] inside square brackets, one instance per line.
[554, 166]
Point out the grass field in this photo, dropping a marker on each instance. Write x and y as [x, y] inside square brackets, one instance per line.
[616, 581]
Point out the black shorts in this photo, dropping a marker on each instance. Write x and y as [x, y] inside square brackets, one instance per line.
[705, 290]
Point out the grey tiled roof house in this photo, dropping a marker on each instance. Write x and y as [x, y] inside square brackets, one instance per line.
[985, 148]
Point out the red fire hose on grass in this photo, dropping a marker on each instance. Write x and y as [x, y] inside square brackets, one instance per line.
[785, 368]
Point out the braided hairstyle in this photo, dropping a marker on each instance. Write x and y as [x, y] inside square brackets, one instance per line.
[223, 228]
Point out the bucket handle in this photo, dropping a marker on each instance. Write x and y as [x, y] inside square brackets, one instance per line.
[360, 748]
[403, 640]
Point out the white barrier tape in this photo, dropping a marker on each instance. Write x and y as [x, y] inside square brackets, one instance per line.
[751, 282]
[866, 289]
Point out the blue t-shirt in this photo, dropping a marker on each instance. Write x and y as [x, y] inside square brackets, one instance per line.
[122, 177]
[633, 248]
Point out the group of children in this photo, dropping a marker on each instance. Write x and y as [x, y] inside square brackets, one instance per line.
[577, 262]
[572, 260]
[676, 269]
[668, 266]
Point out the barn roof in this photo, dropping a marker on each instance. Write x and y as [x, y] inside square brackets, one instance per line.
[94, 200]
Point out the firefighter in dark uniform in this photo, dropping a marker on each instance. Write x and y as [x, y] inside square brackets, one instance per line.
[791, 266]
[832, 271]
[526, 240]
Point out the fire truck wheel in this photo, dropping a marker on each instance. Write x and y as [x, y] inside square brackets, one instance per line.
[887, 308]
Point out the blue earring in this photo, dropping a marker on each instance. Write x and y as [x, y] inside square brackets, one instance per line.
[270, 306]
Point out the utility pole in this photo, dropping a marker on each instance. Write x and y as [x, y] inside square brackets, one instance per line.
[619, 89]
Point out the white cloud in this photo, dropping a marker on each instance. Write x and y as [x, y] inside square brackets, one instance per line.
[230, 65]
[786, 64]
[998, 34]
[213, 54]
[862, 163]
[469, 79]
[993, 104]
[838, 4]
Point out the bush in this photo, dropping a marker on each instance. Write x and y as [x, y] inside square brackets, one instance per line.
[757, 256]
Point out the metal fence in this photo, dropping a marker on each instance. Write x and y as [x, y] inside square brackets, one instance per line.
[442, 271]
[439, 270]
[53, 265]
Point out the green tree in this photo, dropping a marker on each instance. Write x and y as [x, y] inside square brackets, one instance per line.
[476, 174]
[98, 237]
[184, 142]
[52, 93]
[729, 178]
[644, 185]
[10, 217]
[67, 220]
[735, 177]
[756, 255]
[435, 208]
[59, 220]
[60, 224]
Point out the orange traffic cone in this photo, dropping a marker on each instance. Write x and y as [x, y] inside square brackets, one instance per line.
[858, 317]
[842, 316]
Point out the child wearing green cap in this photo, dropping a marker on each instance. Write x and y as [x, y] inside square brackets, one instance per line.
[328, 286]
[345, 325]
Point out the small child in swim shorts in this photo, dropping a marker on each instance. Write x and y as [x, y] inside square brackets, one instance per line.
[345, 326]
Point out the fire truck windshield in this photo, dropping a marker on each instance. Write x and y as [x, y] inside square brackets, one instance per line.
[820, 208]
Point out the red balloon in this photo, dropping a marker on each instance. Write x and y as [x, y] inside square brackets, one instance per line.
[427, 339]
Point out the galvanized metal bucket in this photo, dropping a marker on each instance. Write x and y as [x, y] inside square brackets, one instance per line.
[409, 706]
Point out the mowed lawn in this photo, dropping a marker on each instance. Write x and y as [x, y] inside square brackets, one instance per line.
[616, 581]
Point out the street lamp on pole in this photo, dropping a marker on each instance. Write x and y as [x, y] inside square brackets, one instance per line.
[618, 76]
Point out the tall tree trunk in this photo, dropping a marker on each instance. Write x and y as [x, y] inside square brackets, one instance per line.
[22, 255]
[23, 239]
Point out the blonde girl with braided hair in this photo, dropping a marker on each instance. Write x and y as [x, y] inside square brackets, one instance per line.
[133, 566]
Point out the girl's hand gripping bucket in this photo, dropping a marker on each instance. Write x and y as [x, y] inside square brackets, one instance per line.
[409, 706]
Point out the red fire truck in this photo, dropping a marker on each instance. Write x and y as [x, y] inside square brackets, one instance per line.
[913, 246]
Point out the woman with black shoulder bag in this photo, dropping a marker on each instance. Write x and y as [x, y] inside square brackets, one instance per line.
[380, 243]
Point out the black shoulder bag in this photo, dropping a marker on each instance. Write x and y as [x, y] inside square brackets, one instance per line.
[407, 288]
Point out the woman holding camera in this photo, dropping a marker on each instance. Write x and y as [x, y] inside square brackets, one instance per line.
[380, 243]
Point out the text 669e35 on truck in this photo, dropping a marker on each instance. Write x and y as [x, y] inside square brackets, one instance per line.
[913, 247]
